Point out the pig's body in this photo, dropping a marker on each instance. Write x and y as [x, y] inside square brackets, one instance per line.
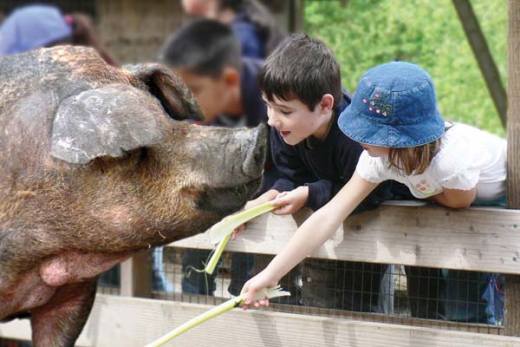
[93, 169]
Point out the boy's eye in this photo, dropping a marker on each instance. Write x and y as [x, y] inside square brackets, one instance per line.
[284, 112]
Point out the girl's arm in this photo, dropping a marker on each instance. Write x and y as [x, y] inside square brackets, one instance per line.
[456, 198]
[310, 235]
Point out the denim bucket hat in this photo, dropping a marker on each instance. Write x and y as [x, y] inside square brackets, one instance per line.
[394, 106]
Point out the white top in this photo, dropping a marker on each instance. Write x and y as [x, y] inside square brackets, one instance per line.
[467, 157]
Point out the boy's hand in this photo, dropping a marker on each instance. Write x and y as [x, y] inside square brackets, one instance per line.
[267, 196]
[291, 202]
[253, 286]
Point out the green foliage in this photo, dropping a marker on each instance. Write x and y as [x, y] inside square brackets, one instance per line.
[365, 33]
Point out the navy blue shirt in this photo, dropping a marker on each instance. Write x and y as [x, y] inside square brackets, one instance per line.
[322, 165]
[251, 39]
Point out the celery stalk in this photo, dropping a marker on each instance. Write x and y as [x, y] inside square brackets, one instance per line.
[226, 226]
[269, 293]
[222, 231]
[213, 261]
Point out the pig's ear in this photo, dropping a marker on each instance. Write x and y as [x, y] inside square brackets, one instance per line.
[166, 86]
[107, 121]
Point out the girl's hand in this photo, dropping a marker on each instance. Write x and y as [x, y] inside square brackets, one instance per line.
[291, 202]
[253, 286]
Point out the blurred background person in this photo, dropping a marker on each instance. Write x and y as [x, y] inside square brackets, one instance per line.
[34, 26]
[251, 22]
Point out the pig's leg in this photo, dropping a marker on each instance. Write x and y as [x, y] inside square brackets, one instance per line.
[59, 322]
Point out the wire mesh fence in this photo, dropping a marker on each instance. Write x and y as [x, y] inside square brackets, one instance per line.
[387, 293]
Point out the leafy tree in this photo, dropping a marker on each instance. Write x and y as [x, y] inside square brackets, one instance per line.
[365, 33]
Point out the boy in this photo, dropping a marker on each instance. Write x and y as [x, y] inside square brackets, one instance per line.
[206, 54]
[301, 86]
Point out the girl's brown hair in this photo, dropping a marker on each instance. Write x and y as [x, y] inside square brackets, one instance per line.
[414, 160]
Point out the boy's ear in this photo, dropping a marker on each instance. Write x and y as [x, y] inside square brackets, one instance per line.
[231, 76]
[327, 102]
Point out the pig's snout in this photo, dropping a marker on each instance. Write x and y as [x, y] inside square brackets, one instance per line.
[256, 152]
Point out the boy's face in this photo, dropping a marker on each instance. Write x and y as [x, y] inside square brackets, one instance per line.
[212, 93]
[295, 122]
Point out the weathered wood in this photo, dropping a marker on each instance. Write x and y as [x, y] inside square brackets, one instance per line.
[483, 55]
[296, 15]
[480, 239]
[119, 321]
[136, 276]
[512, 292]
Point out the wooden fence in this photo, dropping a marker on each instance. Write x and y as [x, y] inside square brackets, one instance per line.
[474, 239]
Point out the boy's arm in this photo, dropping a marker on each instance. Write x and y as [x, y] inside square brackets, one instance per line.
[311, 234]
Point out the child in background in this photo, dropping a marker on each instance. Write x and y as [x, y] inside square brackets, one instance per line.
[394, 117]
[252, 23]
[34, 26]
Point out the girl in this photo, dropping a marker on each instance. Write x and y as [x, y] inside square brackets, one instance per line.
[395, 118]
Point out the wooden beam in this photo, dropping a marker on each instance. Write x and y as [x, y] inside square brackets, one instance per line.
[512, 292]
[136, 276]
[485, 61]
[480, 239]
[296, 15]
[129, 322]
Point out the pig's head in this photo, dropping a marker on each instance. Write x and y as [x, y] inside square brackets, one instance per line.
[151, 177]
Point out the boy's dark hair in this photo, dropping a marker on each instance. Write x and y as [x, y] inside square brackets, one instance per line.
[203, 46]
[301, 67]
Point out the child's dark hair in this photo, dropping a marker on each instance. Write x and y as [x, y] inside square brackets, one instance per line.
[301, 68]
[203, 46]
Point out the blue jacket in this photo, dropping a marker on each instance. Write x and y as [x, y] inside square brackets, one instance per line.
[251, 39]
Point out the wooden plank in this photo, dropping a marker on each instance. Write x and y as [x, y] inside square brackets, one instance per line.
[512, 292]
[400, 319]
[136, 276]
[119, 321]
[483, 55]
[479, 239]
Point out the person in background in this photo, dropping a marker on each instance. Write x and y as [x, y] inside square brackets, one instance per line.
[250, 20]
[206, 54]
[36, 26]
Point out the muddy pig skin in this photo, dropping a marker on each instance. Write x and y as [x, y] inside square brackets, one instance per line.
[97, 163]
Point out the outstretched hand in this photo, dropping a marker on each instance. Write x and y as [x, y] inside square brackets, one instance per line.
[259, 282]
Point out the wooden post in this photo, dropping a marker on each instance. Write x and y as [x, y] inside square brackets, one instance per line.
[296, 15]
[481, 51]
[512, 294]
[136, 276]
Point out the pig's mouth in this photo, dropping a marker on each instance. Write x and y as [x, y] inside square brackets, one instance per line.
[227, 200]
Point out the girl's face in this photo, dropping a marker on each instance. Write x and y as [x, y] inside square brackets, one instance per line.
[376, 151]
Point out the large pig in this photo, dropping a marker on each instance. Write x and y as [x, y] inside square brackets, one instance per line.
[94, 166]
